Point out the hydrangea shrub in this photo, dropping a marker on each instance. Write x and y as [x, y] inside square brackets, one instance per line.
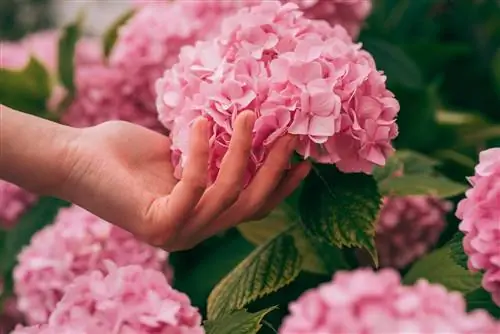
[354, 80]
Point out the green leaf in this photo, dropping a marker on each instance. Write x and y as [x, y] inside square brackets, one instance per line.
[67, 46]
[27, 89]
[481, 299]
[40, 215]
[439, 267]
[396, 64]
[238, 322]
[415, 184]
[111, 34]
[259, 232]
[457, 250]
[198, 271]
[267, 269]
[340, 209]
[416, 163]
[392, 166]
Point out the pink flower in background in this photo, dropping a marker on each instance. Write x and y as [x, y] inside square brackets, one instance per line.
[368, 302]
[77, 243]
[9, 315]
[300, 76]
[408, 227]
[44, 46]
[14, 201]
[128, 300]
[348, 13]
[148, 44]
[102, 94]
[480, 215]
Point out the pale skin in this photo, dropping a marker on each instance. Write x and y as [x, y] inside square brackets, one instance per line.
[122, 173]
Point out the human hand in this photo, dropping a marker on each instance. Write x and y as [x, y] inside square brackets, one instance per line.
[123, 173]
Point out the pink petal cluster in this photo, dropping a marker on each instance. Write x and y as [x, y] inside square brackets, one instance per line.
[480, 215]
[128, 300]
[14, 201]
[348, 13]
[368, 302]
[102, 94]
[77, 243]
[9, 315]
[300, 76]
[150, 42]
[408, 227]
[44, 46]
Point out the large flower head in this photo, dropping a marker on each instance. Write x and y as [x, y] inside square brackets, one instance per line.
[480, 215]
[300, 76]
[348, 13]
[408, 227]
[77, 243]
[128, 300]
[14, 201]
[368, 302]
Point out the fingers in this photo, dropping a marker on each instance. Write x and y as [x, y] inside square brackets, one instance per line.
[186, 194]
[292, 180]
[231, 178]
[240, 211]
[270, 174]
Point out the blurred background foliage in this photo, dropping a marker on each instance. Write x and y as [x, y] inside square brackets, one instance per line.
[442, 60]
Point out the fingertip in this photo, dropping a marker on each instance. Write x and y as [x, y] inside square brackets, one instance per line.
[247, 119]
[201, 127]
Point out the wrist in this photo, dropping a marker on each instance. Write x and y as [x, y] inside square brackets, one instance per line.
[35, 154]
[65, 151]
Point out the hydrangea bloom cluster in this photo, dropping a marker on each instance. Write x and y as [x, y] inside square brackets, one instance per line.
[367, 302]
[128, 300]
[14, 201]
[300, 76]
[77, 243]
[408, 227]
[348, 13]
[44, 46]
[9, 315]
[102, 94]
[149, 43]
[480, 215]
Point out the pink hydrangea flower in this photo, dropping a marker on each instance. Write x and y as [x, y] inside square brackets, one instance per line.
[480, 215]
[9, 315]
[44, 46]
[150, 42]
[408, 227]
[368, 302]
[348, 13]
[102, 94]
[128, 300]
[14, 201]
[300, 76]
[77, 243]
